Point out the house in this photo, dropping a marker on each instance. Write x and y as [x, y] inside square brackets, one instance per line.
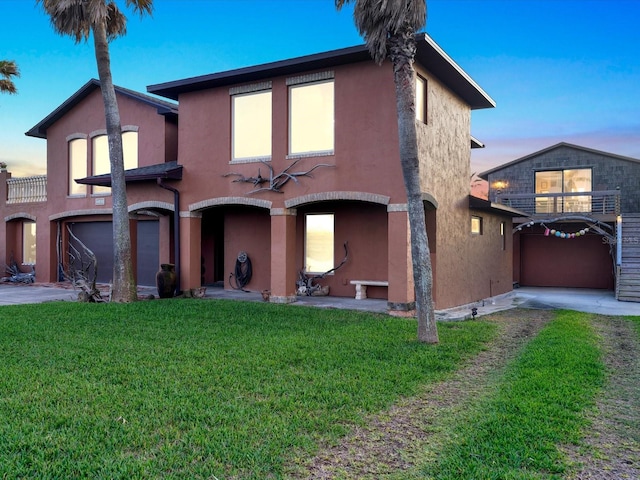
[42, 215]
[582, 213]
[293, 165]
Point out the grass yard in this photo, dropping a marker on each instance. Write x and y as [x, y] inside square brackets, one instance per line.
[200, 389]
[538, 405]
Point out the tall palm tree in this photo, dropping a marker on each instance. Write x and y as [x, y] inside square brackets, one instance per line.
[389, 28]
[8, 69]
[80, 18]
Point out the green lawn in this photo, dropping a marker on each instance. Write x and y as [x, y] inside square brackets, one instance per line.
[199, 389]
[538, 405]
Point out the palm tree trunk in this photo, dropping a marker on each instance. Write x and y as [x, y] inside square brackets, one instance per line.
[402, 48]
[124, 287]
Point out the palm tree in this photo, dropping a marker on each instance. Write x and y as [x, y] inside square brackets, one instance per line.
[80, 18]
[389, 28]
[8, 69]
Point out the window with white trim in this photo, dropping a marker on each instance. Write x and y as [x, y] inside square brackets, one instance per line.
[311, 118]
[319, 242]
[251, 125]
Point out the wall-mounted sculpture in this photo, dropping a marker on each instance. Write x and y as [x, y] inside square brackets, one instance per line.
[275, 182]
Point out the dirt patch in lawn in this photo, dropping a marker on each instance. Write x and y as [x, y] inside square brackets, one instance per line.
[611, 449]
[412, 431]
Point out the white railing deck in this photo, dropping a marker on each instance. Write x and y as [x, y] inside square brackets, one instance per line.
[27, 189]
[605, 202]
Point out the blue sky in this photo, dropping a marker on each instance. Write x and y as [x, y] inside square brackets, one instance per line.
[559, 70]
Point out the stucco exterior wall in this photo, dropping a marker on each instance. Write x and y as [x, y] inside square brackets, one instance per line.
[365, 157]
[444, 152]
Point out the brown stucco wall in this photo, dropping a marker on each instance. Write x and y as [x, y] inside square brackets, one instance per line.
[469, 267]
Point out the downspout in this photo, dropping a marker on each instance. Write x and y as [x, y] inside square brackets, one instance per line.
[176, 229]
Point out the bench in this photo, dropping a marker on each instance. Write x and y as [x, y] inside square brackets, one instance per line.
[361, 286]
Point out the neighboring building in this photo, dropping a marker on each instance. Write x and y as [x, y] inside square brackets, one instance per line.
[287, 162]
[589, 194]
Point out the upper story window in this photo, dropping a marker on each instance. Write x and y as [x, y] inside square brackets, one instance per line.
[100, 159]
[421, 99]
[251, 123]
[318, 242]
[77, 166]
[563, 182]
[311, 115]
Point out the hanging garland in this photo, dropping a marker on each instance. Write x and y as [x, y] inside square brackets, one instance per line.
[556, 233]
[560, 234]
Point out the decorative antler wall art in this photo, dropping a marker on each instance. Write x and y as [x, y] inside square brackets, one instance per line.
[275, 182]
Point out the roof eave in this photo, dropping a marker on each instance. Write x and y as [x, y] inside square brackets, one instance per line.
[429, 54]
[476, 203]
[174, 173]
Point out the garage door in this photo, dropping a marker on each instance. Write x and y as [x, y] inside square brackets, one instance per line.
[148, 252]
[582, 262]
[98, 236]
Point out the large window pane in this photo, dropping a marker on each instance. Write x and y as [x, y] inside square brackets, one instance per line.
[100, 161]
[29, 243]
[311, 111]
[77, 166]
[319, 243]
[251, 125]
[563, 182]
[577, 181]
[549, 182]
[130, 149]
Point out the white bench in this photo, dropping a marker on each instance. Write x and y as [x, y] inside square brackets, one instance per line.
[361, 286]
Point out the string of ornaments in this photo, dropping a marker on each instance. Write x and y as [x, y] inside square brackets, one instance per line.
[560, 234]
[552, 232]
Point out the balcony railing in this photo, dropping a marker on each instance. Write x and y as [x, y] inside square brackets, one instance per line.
[27, 189]
[605, 202]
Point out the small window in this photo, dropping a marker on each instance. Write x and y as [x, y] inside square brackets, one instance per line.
[251, 125]
[77, 166]
[319, 234]
[503, 236]
[28, 243]
[311, 118]
[476, 225]
[421, 99]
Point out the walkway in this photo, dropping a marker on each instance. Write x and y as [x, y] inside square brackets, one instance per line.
[584, 300]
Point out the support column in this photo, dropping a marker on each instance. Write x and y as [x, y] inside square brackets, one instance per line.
[283, 255]
[190, 249]
[402, 298]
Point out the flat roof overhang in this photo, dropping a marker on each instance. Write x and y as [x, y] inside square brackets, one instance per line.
[164, 171]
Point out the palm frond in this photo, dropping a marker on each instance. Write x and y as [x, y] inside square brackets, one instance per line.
[76, 18]
[377, 20]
